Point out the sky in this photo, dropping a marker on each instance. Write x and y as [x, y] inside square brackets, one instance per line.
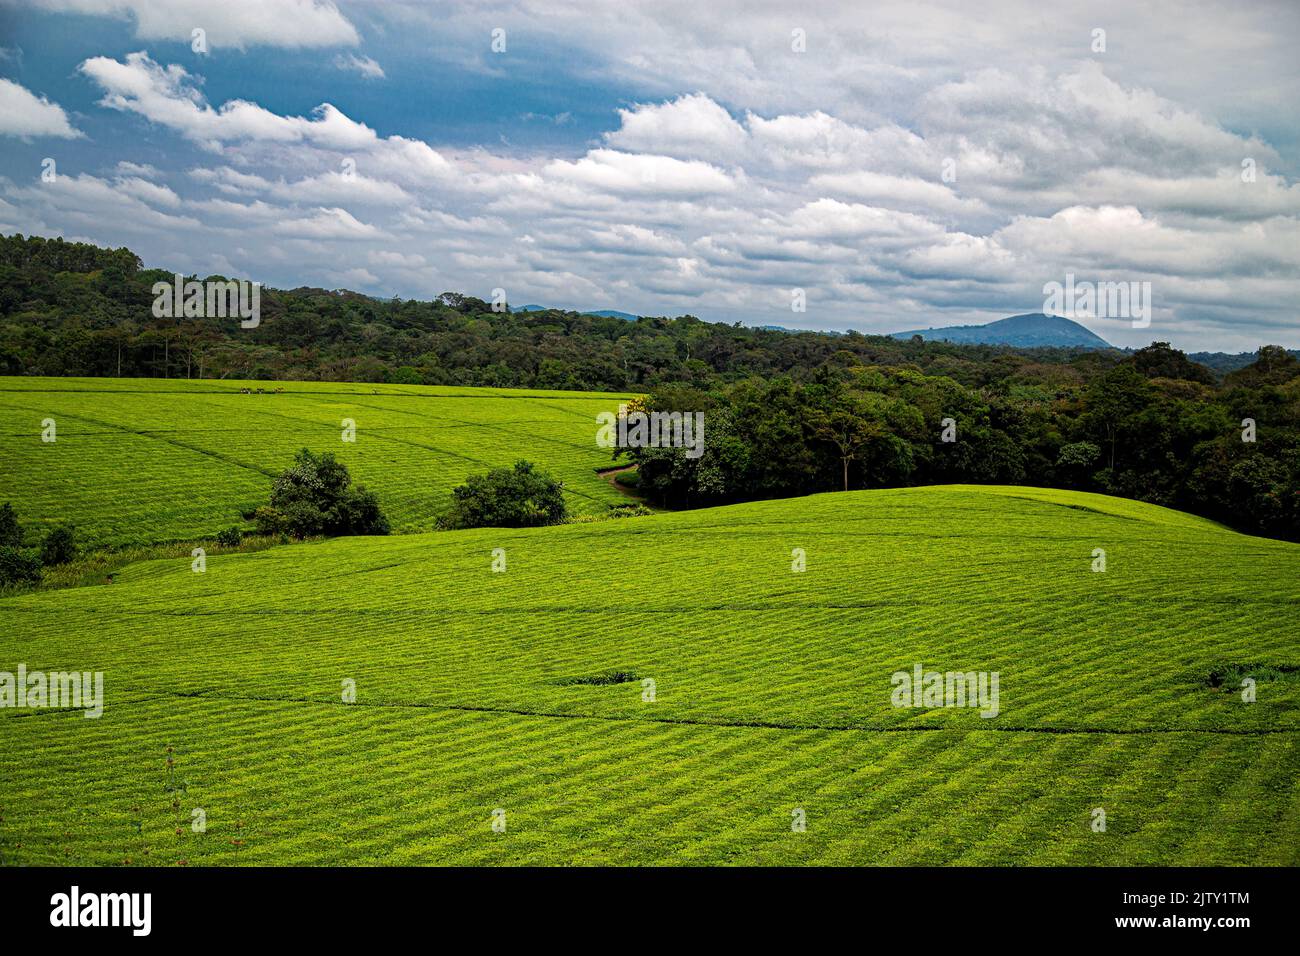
[869, 166]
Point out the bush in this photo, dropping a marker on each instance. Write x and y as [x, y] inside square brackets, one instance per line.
[19, 565]
[230, 538]
[11, 534]
[60, 546]
[315, 497]
[518, 497]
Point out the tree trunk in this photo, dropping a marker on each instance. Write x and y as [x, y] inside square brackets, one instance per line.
[846, 474]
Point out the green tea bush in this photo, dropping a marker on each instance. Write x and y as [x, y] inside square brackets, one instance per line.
[60, 545]
[518, 497]
[315, 497]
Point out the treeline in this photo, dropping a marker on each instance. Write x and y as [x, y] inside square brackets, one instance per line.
[1154, 427]
[76, 309]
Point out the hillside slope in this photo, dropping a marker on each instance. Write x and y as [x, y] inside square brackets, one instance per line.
[522, 691]
[144, 460]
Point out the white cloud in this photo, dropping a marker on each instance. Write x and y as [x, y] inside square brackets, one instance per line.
[364, 65]
[24, 114]
[233, 23]
[168, 96]
[327, 223]
[151, 193]
[610, 171]
[689, 127]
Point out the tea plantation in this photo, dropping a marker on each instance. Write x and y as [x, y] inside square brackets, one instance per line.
[656, 690]
[144, 460]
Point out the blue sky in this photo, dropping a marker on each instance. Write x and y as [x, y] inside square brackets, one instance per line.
[908, 167]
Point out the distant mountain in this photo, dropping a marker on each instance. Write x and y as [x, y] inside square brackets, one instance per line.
[1224, 362]
[1032, 330]
[613, 314]
[782, 328]
[602, 313]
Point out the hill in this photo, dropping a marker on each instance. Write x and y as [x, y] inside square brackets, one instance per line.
[1032, 330]
[523, 692]
[145, 460]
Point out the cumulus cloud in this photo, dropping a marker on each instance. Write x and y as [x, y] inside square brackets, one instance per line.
[233, 23]
[688, 127]
[26, 115]
[169, 97]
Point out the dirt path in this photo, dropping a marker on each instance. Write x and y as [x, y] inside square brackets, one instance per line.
[609, 474]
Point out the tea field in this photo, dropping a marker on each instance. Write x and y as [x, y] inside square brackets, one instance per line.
[665, 689]
[145, 460]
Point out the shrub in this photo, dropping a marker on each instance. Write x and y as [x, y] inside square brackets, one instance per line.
[11, 534]
[230, 538]
[19, 565]
[60, 545]
[518, 497]
[315, 497]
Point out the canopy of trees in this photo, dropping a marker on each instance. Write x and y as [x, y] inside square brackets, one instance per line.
[1230, 452]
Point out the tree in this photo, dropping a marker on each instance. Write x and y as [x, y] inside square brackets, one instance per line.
[11, 533]
[315, 497]
[19, 566]
[518, 497]
[1273, 365]
[848, 426]
[60, 545]
[1161, 360]
[1114, 397]
[1077, 459]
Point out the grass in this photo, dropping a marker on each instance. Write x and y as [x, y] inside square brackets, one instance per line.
[100, 566]
[524, 691]
[142, 461]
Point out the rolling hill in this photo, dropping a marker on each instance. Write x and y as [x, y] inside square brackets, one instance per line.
[523, 692]
[145, 460]
[1032, 330]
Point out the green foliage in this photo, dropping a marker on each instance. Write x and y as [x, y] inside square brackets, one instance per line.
[1078, 456]
[314, 497]
[11, 532]
[230, 537]
[19, 565]
[1132, 431]
[60, 545]
[518, 497]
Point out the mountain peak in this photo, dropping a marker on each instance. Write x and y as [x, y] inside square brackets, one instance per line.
[1029, 330]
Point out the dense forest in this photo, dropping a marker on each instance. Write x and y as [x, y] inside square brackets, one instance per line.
[787, 413]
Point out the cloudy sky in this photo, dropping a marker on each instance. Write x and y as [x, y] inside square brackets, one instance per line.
[905, 164]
